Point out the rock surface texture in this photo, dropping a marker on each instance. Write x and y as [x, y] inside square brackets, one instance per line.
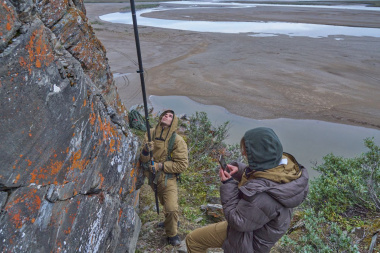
[68, 181]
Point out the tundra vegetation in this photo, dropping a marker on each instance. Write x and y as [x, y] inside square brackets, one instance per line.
[340, 214]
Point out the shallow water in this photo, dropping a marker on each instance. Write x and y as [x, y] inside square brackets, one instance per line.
[307, 140]
[257, 29]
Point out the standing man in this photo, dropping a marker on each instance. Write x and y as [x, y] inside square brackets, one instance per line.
[170, 159]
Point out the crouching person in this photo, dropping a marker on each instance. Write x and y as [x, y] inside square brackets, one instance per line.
[257, 198]
[170, 158]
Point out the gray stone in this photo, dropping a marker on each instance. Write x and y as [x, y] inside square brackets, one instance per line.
[68, 176]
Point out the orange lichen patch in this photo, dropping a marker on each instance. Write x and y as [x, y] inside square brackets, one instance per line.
[110, 133]
[92, 115]
[38, 63]
[77, 162]
[34, 205]
[22, 61]
[120, 213]
[67, 231]
[29, 162]
[10, 16]
[71, 216]
[89, 50]
[16, 179]
[112, 145]
[84, 103]
[45, 173]
[134, 180]
[38, 51]
[21, 209]
[101, 179]
[16, 220]
[121, 190]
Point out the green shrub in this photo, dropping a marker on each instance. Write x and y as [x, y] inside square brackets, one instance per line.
[205, 141]
[318, 235]
[342, 197]
[347, 182]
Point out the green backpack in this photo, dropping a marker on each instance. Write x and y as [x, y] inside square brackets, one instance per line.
[136, 120]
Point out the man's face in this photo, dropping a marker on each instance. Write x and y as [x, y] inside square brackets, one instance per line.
[167, 119]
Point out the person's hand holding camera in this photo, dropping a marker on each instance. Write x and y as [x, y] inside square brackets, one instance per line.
[225, 175]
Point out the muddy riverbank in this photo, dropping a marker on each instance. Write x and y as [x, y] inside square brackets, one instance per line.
[334, 78]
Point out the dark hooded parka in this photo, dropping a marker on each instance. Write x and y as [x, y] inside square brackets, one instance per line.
[258, 206]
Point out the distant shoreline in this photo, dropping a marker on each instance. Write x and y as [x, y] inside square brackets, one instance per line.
[369, 3]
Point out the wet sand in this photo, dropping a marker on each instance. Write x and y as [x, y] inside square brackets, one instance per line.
[334, 79]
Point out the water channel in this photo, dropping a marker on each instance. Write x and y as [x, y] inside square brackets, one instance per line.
[256, 29]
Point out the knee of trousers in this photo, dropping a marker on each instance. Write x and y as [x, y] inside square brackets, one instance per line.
[172, 215]
[170, 204]
[191, 245]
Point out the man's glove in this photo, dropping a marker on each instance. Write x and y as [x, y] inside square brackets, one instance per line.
[149, 146]
[157, 166]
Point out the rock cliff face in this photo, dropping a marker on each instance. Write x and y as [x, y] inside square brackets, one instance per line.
[68, 181]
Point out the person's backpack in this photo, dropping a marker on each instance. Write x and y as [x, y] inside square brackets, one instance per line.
[136, 120]
[169, 157]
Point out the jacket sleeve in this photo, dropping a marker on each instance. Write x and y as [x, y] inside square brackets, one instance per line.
[179, 161]
[145, 156]
[243, 215]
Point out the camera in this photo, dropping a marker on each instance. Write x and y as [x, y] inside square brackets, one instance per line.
[222, 162]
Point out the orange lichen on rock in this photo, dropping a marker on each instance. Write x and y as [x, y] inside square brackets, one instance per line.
[9, 19]
[16, 219]
[101, 179]
[48, 172]
[134, 180]
[120, 213]
[110, 133]
[17, 212]
[16, 179]
[92, 115]
[77, 162]
[38, 51]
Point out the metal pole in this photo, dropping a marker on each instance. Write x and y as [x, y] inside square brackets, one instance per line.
[141, 72]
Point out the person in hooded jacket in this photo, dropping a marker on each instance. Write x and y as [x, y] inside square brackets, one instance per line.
[168, 167]
[257, 198]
